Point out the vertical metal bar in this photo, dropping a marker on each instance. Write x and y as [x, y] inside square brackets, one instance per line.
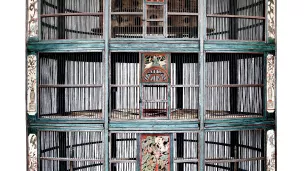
[62, 151]
[201, 33]
[106, 84]
[61, 19]
[165, 18]
[138, 152]
[144, 19]
[264, 94]
[233, 31]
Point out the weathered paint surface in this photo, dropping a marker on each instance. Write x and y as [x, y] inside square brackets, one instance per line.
[31, 84]
[270, 83]
[32, 18]
[271, 151]
[271, 19]
[155, 152]
[32, 152]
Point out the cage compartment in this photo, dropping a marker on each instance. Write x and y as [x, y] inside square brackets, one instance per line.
[139, 19]
[80, 150]
[185, 151]
[71, 19]
[236, 20]
[70, 85]
[125, 88]
[184, 86]
[235, 150]
[234, 86]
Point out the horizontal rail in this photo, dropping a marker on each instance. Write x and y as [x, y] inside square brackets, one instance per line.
[185, 160]
[184, 85]
[123, 161]
[126, 13]
[69, 159]
[150, 20]
[72, 14]
[232, 160]
[123, 85]
[69, 85]
[182, 13]
[155, 101]
[236, 16]
[237, 85]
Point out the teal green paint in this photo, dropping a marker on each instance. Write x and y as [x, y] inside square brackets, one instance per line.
[265, 85]
[221, 46]
[69, 120]
[31, 130]
[105, 109]
[239, 121]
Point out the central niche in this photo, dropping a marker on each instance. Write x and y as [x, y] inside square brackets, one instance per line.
[155, 152]
[155, 82]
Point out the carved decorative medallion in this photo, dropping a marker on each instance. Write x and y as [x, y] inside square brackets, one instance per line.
[155, 152]
[32, 152]
[271, 19]
[271, 155]
[155, 68]
[31, 84]
[270, 83]
[32, 18]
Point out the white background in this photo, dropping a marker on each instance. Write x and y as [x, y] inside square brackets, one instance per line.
[290, 53]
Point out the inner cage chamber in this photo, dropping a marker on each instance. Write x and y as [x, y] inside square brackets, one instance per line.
[236, 20]
[70, 85]
[135, 96]
[234, 85]
[71, 19]
[142, 19]
[71, 150]
[235, 150]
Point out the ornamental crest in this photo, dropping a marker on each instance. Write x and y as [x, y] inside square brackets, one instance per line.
[31, 84]
[155, 68]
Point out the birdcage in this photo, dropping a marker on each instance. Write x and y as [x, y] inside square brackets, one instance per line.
[151, 85]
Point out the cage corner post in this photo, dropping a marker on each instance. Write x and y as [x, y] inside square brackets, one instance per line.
[106, 83]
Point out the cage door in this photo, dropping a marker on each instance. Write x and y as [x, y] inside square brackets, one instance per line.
[154, 18]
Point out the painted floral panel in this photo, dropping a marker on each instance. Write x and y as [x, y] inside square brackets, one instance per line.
[271, 155]
[155, 152]
[32, 18]
[271, 83]
[32, 152]
[31, 84]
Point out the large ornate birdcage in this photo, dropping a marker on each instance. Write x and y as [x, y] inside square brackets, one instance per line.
[151, 85]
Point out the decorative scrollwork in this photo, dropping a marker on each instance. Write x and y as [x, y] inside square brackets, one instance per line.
[271, 150]
[31, 84]
[271, 19]
[32, 18]
[32, 152]
[270, 83]
[155, 74]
